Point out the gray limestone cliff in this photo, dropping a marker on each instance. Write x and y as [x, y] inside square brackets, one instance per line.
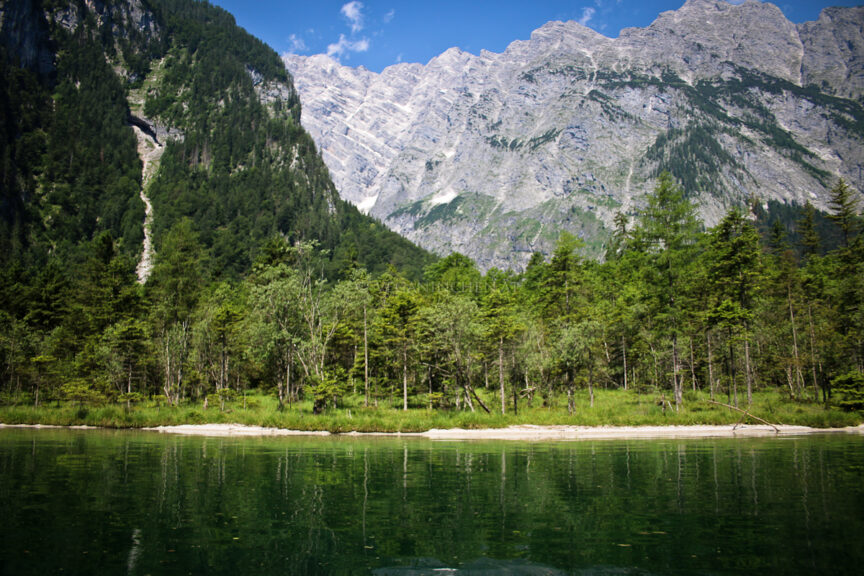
[492, 155]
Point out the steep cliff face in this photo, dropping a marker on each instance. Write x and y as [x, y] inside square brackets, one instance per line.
[493, 155]
[25, 35]
[834, 52]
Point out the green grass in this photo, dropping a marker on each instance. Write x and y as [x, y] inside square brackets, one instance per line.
[611, 408]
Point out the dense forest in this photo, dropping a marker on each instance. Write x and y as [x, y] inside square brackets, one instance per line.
[264, 279]
[673, 308]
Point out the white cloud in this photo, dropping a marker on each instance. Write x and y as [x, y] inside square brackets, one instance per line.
[587, 15]
[353, 11]
[345, 46]
[389, 16]
[296, 44]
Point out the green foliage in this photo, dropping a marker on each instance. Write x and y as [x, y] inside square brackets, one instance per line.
[849, 389]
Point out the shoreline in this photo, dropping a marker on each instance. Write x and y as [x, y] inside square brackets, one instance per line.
[520, 432]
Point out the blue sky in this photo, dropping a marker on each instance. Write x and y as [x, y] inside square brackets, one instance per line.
[378, 33]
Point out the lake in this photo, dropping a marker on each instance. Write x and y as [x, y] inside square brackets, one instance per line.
[125, 502]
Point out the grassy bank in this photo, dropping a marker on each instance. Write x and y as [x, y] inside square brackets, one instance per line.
[611, 408]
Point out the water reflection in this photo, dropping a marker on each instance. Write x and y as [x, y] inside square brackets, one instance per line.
[106, 503]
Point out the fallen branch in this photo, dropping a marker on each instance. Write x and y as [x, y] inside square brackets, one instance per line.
[479, 401]
[746, 414]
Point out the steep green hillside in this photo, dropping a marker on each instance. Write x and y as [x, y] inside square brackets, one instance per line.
[236, 161]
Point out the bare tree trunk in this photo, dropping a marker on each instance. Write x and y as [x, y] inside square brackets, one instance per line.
[813, 353]
[624, 354]
[747, 373]
[365, 360]
[166, 384]
[733, 384]
[285, 392]
[479, 400]
[467, 394]
[799, 378]
[710, 366]
[677, 387]
[129, 386]
[501, 375]
[129, 380]
[789, 381]
[184, 343]
[405, 378]
[692, 364]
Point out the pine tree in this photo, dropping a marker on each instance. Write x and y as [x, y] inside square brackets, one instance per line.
[810, 242]
[844, 207]
[667, 234]
[735, 258]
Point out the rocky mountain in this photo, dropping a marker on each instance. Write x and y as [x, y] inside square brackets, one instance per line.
[493, 154]
[131, 117]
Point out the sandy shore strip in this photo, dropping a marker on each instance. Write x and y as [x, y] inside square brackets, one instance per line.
[540, 433]
[526, 432]
[232, 430]
[521, 432]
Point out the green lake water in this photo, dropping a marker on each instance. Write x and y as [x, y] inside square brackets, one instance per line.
[103, 502]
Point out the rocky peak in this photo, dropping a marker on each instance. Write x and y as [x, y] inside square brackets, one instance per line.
[834, 51]
[698, 38]
[493, 155]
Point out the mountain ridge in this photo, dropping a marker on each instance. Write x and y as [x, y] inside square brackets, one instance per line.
[491, 155]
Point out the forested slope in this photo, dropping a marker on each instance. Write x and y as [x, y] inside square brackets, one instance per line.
[238, 163]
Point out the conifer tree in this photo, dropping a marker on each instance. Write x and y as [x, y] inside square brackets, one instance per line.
[667, 234]
[844, 207]
[810, 241]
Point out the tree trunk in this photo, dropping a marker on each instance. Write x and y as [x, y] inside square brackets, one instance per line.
[624, 355]
[468, 397]
[167, 384]
[692, 365]
[799, 378]
[813, 353]
[710, 366]
[365, 360]
[733, 383]
[501, 375]
[676, 384]
[479, 400]
[747, 374]
[405, 377]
